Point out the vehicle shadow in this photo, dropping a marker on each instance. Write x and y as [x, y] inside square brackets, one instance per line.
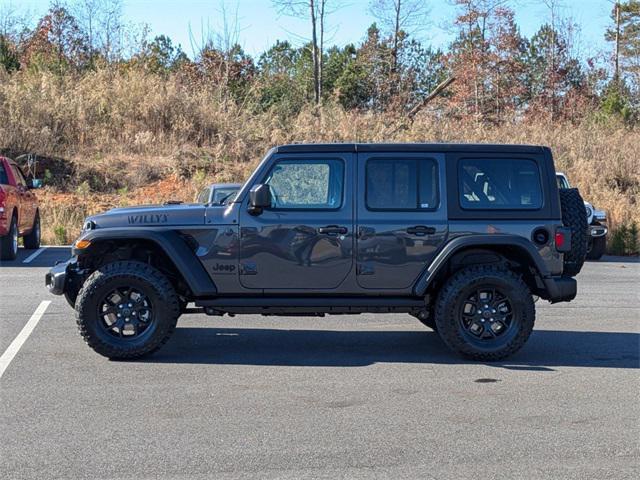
[328, 348]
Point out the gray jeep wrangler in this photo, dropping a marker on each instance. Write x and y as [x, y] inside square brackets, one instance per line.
[462, 237]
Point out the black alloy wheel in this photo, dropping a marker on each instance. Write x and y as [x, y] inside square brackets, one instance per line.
[486, 315]
[126, 313]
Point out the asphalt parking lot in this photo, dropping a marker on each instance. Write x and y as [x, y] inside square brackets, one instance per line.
[369, 396]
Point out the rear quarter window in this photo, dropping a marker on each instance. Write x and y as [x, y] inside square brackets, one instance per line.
[4, 180]
[499, 184]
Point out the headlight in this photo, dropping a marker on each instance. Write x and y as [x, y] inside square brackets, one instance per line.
[88, 225]
[589, 210]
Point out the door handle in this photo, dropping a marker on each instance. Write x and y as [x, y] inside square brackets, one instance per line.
[333, 230]
[421, 230]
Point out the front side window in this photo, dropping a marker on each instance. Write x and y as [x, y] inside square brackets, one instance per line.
[306, 184]
[500, 184]
[402, 184]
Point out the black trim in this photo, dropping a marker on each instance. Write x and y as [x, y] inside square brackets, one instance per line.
[171, 243]
[406, 147]
[561, 289]
[315, 305]
[457, 244]
[55, 278]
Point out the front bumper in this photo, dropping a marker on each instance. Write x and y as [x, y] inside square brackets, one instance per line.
[561, 289]
[56, 278]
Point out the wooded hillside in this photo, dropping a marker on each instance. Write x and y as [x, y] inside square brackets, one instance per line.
[115, 117]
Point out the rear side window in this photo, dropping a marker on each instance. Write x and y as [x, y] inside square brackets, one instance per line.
[402, 184]
[17, 173]
[500, 184]
[4, 180]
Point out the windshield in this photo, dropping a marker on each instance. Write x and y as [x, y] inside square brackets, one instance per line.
[222, 196]
[562, 182]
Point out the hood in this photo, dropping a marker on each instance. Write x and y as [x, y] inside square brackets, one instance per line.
[150, 216]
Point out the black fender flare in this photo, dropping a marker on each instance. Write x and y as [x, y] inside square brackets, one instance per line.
[459, 243]
[173, 245]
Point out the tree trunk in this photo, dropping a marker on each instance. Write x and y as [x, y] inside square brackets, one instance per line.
[321, 49]
[314, 46]
[616, 71]
[396, 35]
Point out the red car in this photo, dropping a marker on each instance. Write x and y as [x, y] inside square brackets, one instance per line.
[19, 212]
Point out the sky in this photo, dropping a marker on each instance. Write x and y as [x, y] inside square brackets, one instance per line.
[260, 25]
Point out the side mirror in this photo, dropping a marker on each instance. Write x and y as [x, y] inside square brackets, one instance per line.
[259, 198]
[35, 183]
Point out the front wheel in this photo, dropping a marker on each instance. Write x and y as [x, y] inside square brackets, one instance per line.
[126, 310]
[485, 313]
[9, 242]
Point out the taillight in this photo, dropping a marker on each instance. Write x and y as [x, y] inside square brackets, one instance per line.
[562, 239]
[2, 205]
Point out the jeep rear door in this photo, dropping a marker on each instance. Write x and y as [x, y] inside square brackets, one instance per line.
[304, 241]
[401, 217]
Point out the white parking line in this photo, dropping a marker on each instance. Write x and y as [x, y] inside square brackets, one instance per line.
[30, 258]
[11, 352]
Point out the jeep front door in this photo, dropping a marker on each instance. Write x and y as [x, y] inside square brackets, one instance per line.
[304, 240]
[401, 217]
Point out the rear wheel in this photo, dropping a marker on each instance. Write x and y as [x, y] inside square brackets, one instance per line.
[126, 310]
[597, 248]
[9, 242]
[485, 313]
[32, 240]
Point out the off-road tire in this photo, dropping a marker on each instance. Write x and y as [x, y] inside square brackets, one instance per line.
[454, 293]
[574, 217]
[8, 247]
[31, 241]
[120, 274]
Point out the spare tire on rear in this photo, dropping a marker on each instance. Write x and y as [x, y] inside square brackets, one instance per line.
[574, 216]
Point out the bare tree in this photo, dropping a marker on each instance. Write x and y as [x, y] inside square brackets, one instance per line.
[101, 20]
[316, 11]
[14, 21]
[398, 18]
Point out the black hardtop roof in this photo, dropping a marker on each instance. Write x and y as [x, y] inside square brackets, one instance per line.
[407, 147]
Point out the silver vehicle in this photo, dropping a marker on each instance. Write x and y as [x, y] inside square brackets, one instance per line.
[597, 220]
[218, 193]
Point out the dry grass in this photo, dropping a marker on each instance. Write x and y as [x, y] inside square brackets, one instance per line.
[134, 137]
